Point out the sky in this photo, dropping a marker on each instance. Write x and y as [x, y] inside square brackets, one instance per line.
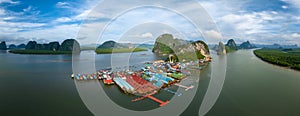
[257, 21]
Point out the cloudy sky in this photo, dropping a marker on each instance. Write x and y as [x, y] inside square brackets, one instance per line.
[259, 21]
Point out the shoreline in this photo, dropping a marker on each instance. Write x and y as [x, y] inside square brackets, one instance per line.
[273, 63]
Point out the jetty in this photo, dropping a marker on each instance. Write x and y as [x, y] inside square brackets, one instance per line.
[185, 87]
[161, 103]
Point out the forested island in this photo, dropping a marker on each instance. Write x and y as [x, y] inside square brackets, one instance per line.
[68, 46]
[109, 47]
[282, 57]
[181, 50]
[231, 46]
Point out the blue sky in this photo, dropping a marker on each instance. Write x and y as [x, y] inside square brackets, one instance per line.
[259, 21]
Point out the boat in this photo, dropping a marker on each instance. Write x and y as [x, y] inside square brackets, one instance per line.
[176, 75]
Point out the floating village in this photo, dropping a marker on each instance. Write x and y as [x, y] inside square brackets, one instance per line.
[148, 79]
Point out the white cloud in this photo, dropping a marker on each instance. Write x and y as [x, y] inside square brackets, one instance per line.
[9, 1]
[233, 20]
[29, 8]
[212, 34]
[57, 33]
[292, 38]
[63, 5]
[295, 35]
[295, 3]
[147, 35]
[284, 7]
[89, 15]
[63, 19]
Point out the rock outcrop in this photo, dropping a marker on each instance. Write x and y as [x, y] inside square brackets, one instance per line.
[31, 45]
[246, 45]
[53, 46]
[231, 44]
[3, 46]
[70, 45]
[183, 50]
[221, 49]
[67, 45]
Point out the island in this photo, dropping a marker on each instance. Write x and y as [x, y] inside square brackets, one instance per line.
[246, 45]
[3, 46]
[181, 59]
[221, 49]
[109, 47]
[181, 50]
[283, 57]
[231, 46]
[68, 46]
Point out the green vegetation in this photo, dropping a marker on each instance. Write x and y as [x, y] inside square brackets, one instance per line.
[118, 50]
[39, 52]
[228, 49]
[182, 50]
[164, 49]
[68, 46]
[288, 58]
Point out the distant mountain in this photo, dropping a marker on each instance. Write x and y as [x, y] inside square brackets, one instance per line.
[3, 46]
[183, 50]
[21, 46]
[12, 46]
[144, 45]
[231, 44]
[113, 44]
[246, 45]
[276, 46]
[67, 45]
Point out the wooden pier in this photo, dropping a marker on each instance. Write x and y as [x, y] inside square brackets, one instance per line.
[185, 87]
[162, 103]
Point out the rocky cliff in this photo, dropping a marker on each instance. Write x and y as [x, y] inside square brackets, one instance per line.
[31, 45]
[67, 45]
[3, 46]
[183, 50]
[221, 49]
[231, 44]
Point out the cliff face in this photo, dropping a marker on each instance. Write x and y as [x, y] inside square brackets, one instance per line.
[53, 46]
[183, 50]
[164, 44]
[31, 45]
[70, 45]
[3, 46]
[67, 45]
[221, 49]
[246, 45]
[231, 44]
